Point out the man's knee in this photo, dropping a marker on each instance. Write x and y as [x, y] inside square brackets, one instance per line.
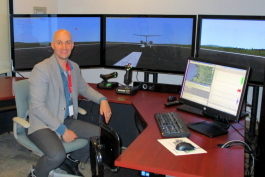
[57, 156]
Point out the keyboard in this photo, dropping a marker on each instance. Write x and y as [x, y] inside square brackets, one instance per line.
[171, 125]
[190, 109]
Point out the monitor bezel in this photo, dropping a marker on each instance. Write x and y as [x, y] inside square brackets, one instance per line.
[226, 17]
[12, 49]
[217, 114]
[194, 17]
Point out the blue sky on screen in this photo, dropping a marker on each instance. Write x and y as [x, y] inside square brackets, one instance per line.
[171, 30]
[246, 34]
[83, 29]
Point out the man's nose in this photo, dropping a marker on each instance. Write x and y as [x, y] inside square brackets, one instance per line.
[64, 46]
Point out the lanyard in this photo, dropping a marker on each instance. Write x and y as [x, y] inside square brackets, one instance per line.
[69, 77]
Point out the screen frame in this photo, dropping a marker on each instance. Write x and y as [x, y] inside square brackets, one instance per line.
[217, 114]
[12, 50]
[194, 17]
[227, 17]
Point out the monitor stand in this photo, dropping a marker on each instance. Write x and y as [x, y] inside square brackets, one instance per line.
[146, 77]
[210, 129]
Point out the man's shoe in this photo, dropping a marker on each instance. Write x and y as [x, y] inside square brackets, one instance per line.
[71, 166]
[31, 173]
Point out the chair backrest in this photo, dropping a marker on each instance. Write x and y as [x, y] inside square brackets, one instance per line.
[111, 145]
[21, 90]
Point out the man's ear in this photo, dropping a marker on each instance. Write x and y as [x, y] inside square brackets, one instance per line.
[52, 45]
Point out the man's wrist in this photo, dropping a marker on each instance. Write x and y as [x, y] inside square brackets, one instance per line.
[61, 129]
[103, 98]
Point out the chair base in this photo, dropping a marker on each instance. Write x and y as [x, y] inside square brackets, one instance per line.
[59, 173]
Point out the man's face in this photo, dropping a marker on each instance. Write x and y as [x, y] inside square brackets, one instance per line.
[62, 45]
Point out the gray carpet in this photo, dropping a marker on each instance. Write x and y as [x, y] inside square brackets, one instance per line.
[15, 160]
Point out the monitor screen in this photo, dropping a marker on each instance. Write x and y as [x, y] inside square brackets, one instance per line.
[218, 90]
[31, 36]
[149, 43]
[238, 40]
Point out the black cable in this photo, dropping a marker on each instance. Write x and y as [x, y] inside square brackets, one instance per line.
[250, 151]
[18, 73]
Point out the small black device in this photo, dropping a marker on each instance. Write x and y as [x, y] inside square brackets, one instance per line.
[127, 90]
[171, 98]
[105, 84]
[184, 146]
[158, 87]
[172, 103]
[148, 174]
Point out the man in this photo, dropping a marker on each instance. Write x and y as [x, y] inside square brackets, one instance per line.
[55, 84]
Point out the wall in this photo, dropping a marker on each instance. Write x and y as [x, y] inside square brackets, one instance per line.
[5, 65]
[26, 6]
[228, 7]
[218, 7]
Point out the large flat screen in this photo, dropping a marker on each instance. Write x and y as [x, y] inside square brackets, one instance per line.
[31, 36]
[238, 40]
[216, 89]
[149, 43]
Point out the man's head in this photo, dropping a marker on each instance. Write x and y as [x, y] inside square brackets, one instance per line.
[62, 44]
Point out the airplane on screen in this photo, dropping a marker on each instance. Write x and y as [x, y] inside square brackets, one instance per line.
[146, 43]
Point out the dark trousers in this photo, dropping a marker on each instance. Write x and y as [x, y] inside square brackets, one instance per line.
[51, 145]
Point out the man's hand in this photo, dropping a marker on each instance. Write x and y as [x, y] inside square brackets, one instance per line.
[69, 136]
[105, 110]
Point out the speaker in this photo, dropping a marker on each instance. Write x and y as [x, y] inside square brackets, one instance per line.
[157, 87]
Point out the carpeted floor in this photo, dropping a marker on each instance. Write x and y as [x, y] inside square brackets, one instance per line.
[16, 161]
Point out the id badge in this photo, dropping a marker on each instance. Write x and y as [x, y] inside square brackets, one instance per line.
[71, 110]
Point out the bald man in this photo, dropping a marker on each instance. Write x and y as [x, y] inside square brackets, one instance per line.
[55, 85]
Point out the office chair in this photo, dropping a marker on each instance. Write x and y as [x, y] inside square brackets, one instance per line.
[20, 124]
[104, 149]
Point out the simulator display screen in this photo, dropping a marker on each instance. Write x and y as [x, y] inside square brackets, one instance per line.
[32, 36]
[234, 41]
[149, 43]
[215, 86]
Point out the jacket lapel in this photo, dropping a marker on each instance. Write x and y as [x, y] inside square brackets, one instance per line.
[56, 72]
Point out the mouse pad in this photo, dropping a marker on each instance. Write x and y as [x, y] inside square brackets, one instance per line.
[171, 143]
[208, 129]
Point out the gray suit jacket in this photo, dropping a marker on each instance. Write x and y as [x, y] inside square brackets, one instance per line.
[47, 100]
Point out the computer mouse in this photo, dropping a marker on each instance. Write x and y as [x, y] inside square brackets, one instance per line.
[184, 146]
[171, 98]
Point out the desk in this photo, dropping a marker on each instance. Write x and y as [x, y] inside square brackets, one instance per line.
[7, 103]
[147, 154]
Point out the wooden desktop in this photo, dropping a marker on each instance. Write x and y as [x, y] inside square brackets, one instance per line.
[145, 153]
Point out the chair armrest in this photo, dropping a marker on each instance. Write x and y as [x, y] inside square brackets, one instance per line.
[21, 122]
[82, 111]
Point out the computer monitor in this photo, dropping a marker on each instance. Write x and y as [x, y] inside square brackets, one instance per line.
[233, 39]
[216, 89]
[31, 36]
[152, 43]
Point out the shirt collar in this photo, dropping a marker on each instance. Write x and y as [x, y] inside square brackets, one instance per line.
[61, 69]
